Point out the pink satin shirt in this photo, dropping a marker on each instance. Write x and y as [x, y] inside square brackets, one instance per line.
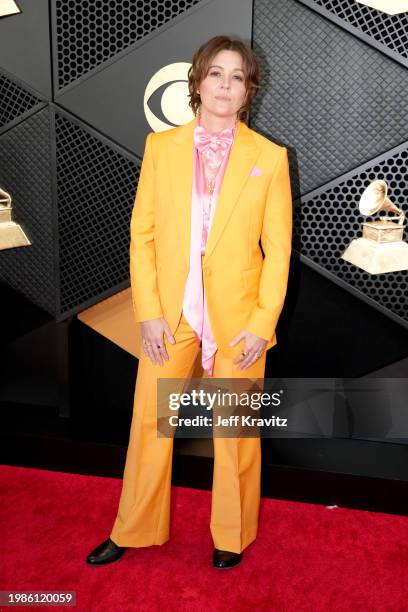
[211, 149]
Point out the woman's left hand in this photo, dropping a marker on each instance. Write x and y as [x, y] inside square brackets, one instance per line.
[254, 346]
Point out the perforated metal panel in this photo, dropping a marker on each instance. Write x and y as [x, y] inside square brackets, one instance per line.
[25, 172]
[337, 101]
[14, 101]
[388, 30]
[327, 220]
[96, 189]
[100, 29]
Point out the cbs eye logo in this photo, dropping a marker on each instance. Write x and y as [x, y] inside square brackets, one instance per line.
[174, 99]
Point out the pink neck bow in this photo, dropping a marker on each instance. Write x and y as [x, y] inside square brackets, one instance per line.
[213, 145]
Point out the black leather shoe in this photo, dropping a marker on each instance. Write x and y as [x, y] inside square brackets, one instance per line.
[107, 552]
[224, 559]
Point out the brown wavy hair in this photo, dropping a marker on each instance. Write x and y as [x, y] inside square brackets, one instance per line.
[202, 61]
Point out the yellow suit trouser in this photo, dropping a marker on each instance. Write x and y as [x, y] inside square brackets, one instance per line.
[143, 516]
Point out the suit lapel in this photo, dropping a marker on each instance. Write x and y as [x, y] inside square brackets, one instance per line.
[243, 155]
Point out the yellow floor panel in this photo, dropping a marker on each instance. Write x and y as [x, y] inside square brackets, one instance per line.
[113, 318]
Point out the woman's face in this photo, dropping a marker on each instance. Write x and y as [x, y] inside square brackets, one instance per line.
[223, 90]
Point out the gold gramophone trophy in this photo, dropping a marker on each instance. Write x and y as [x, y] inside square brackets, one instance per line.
[11, 233]
[381, 248]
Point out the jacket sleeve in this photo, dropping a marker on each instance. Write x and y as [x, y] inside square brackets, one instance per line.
[276, 240]
[143, 276]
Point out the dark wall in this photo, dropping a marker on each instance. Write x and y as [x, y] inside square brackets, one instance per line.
[72, 130]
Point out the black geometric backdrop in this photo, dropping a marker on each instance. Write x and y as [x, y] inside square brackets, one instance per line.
[103, 28]
[71, 161]
[389, 32]
[94, 180]
[25, 172]
[335, 92]
[340, 106]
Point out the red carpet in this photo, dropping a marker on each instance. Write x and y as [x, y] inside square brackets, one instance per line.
[306, 557]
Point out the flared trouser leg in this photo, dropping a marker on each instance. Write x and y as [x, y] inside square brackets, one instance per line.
[143, 516]
[236, 490]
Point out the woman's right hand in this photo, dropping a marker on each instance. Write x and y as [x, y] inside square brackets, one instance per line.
[152, 333]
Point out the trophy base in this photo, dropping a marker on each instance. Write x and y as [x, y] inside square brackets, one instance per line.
[377, 257]
[12, 235]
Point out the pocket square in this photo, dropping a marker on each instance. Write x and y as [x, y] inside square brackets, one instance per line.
[256, 171]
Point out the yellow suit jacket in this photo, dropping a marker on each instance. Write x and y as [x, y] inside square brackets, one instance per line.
[245, 288]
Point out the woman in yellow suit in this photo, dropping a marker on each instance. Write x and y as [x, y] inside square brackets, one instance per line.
[244, 288]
